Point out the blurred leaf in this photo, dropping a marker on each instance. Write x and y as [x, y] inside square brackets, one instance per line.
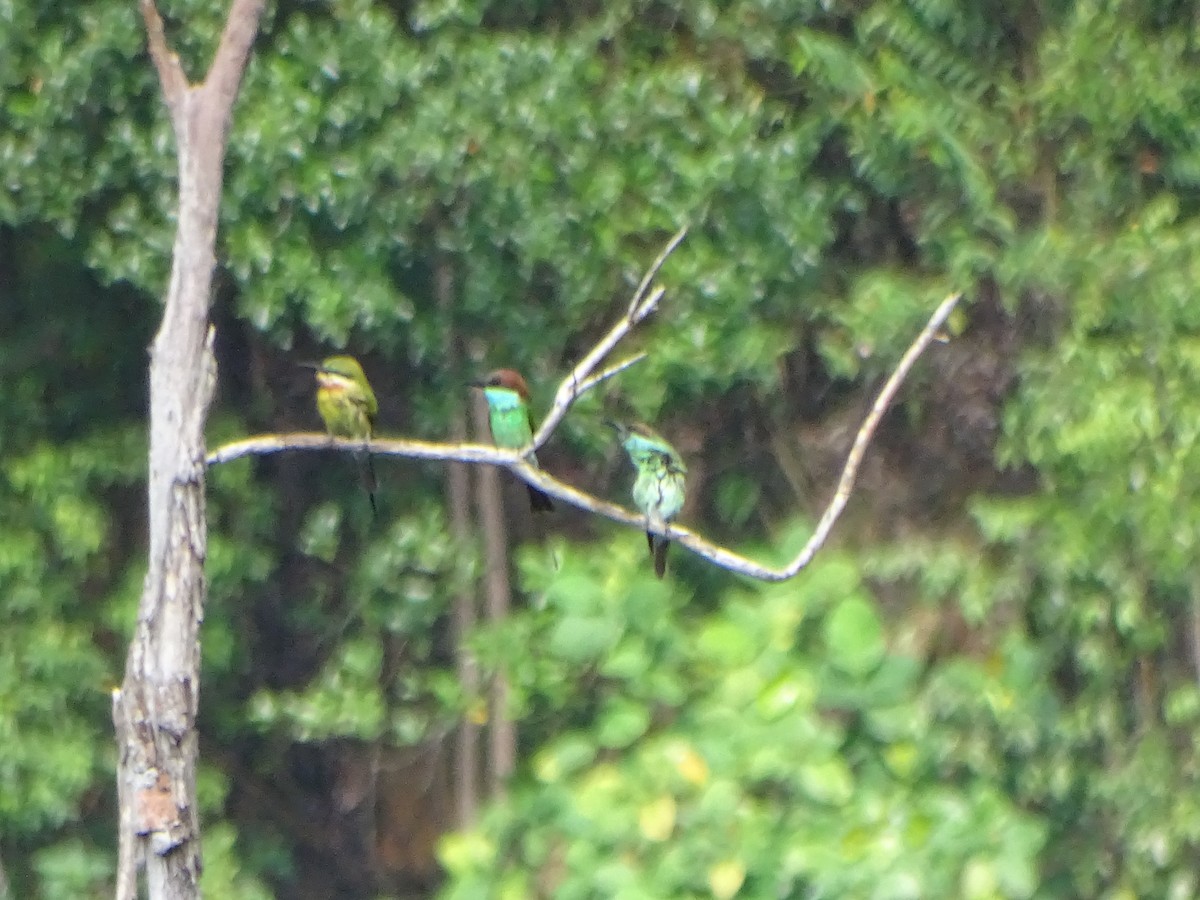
[854, 637]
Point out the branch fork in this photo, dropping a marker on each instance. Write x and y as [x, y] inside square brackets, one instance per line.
[582, 379]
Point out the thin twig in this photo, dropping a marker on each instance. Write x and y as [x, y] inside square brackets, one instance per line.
[726, 559]
[127, 851]
[655, 266]
[588, 383]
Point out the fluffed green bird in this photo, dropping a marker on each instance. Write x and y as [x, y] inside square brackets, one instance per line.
[658, 490]
[511, 421]
[348, 407]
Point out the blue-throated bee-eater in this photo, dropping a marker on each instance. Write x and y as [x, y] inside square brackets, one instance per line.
[511, 421]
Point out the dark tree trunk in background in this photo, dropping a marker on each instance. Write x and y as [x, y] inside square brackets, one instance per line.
[458, 501]
[502, 733]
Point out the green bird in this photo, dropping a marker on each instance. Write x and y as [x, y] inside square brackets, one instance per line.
[511, 421]
[658, 490]
[348, 407]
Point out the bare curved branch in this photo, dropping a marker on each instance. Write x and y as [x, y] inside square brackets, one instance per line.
[514, 460]
[264, 444]
[859, 448]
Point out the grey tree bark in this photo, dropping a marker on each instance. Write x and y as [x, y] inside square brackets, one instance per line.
[154, 711]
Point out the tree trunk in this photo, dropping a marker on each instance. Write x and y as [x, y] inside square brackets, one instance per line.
[458, 501]
[154, 711]
[502, 733]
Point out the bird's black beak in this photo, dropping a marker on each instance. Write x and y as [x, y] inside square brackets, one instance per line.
[316, 367]
[477, 382]
[620, 429]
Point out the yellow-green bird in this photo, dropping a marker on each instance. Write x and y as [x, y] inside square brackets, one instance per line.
[348, 407]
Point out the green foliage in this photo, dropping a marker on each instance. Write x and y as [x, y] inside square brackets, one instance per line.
[1105, 422]
[854, 637]
[343, 700]
[379, 680]
[223, 874]
[71, 869]
[1007, 708]
[790, 754]
[53, 677]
